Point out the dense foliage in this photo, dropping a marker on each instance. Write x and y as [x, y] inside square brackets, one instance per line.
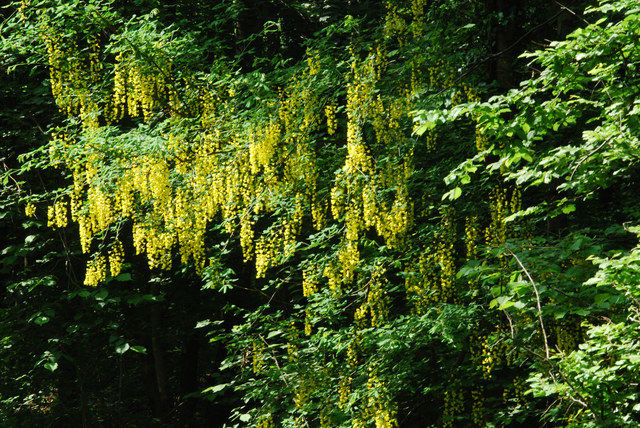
[324, 213]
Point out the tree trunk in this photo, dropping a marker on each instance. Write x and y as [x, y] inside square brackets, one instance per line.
[157, 351]
[189, 375]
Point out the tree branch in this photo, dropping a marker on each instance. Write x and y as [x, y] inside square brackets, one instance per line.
[535, 289]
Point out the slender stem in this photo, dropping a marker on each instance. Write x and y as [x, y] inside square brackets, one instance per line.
[593, 152]
[546, 358]
[535, 289]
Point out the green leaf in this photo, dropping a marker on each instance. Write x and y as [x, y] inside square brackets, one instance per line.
[51, 366]
[139, 349]
[424, 128]
[122, 348]
[123, 277]
[601, 297]
[42, 320]
[273, 333]
[452, 194]
[456, 193]
[217, 388]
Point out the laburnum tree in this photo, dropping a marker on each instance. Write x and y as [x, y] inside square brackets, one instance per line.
[325, 213]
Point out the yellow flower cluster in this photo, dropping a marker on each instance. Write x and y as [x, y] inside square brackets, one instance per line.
[24, 4]
[568, 335]
[489, 352]
[158, 249]
[348, 257]
[332, 274]
[116, 258]
[472, 239]
[453, 406]
[330, 113]
[30, 210]
[124, 195]
[209, 103]
[441, 74]
[386, 120]
[62, 71]
[309, 283]
[352, 352]
[308, 323]
[266, 253]
[313, 61]
[396, 223]
[136, 91]
[117, 108]
[478, 406]
[422, 282]
[100, 211]
[319, 208]
[430, 140]
[416, 78]
[379, 407]
[446, 256]
[265, 421]
[344, 391]
[293, 334]
[516, 200]
[58, 145]
[258, 356]
[417, 10]
[377, 297]
[96, 271]
[377, 303]
[394, 25]
[516, 391]
[246, 237]
[465, 93]
[501, 204]
[57, 214]
[305, 386]
[263, 145]
[70, 83]
[482, 141]
[496, 232]
[489, 360]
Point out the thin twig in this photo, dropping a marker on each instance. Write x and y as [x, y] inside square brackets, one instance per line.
[563, 7]
[535, 289]
[546, 358]
[593, 152]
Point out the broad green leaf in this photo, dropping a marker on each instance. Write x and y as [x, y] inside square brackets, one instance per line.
[123, 277]
[122, 348]
[139, 349]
